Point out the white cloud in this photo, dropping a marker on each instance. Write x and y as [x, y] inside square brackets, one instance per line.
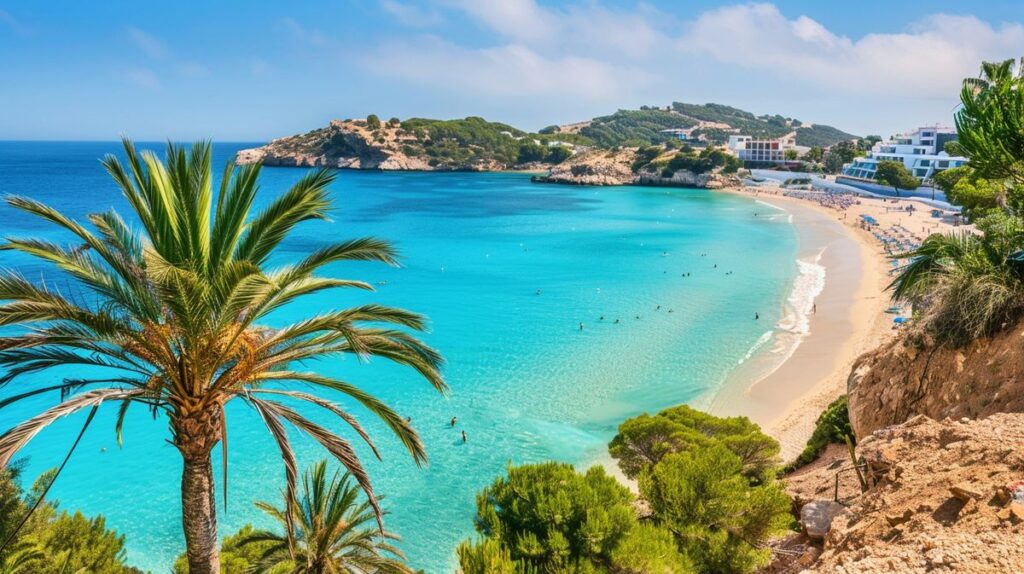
[147, 43]
[305, 35]
[410, 14]
[928, 60]
[566, 55]
[143, 77]
[520, 20]
[506, 70]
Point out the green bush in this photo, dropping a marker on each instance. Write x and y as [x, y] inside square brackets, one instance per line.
[550, 518]
[832, 427]
[720, 518]
[373, 122]
[644, 440]
[53, 542]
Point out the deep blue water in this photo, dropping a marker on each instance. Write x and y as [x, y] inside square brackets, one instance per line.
[527, 384]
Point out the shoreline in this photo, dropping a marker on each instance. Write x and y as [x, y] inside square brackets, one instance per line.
[785, 398]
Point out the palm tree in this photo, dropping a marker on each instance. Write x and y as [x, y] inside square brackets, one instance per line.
[327, 532]
[990, 121]
[167, 316]
[21, 558]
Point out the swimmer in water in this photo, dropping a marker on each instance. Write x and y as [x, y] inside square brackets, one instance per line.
[454, 420]
[463, 437]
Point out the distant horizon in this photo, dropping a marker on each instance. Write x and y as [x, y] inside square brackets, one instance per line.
[77, 72]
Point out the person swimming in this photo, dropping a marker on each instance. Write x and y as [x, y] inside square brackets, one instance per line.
[757, 316]
[463, 437]
[581, 325]
[616, 321]
[454, 420]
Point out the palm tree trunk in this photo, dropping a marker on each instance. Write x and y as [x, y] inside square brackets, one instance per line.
[195, 435]
[199, 516]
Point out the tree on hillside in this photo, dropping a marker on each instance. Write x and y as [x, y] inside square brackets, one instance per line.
[373, 122]
[897, 175]
[815, 154]
[644, 440]
[52, 541]
[867, 142]
[549, 518]
[720, 519]
[169, 316]
[975, 195]
[990, 122]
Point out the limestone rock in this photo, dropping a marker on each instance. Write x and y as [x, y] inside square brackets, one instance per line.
[816, 517]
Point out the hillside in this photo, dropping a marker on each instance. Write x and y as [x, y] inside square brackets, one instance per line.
[942, 496]
[470, 144]
[915, 375]
[475, 144]
[716, 122]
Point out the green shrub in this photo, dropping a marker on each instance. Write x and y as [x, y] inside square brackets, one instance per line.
[644, 440]
[551, 518]
[832, 426]
[720, 518]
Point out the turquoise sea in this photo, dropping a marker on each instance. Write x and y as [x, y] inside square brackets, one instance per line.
[506, 270]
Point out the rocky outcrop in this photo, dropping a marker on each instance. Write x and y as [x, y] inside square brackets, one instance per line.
[595, 167]
[685, 178]
[615, 167]
[942, 496]
[913, 375]
[353, 144]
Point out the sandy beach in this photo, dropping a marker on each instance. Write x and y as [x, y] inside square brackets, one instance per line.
[848, 321]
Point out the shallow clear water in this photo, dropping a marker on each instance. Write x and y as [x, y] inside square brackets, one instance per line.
[527, 383]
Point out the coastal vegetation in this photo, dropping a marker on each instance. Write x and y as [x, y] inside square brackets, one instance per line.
[831, 427]
[707, 485]
[476, 144]
[331, 529]
[897, 175]
[550, 518]
[166, 317]
[50, 540]
[969, 285]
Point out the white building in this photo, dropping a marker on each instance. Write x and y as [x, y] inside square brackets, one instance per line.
[921, 151]
[750, 149]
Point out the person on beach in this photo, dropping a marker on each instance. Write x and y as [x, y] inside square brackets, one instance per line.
[814, 308]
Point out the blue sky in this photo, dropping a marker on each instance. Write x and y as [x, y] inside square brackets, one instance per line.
[253, 70]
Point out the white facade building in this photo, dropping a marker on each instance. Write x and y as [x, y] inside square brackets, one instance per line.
[750, 149]
[921, 151]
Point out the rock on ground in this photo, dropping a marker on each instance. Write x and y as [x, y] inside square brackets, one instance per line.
[940, 499]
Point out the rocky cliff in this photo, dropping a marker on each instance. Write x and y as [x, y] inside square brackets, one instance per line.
[621, 167]
[942, 497]
[913, 375]
[470, 144]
